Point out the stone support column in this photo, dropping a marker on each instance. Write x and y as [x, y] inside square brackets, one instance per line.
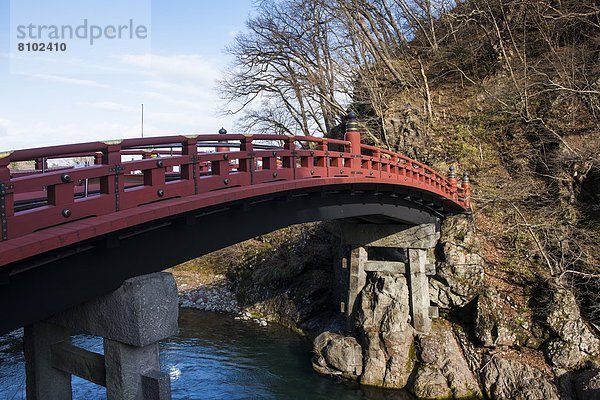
[125, 367]
[419, 290]
[132, 320]
[358, 279]
[43, 381]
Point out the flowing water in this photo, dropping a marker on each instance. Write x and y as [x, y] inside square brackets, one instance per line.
[213, 357]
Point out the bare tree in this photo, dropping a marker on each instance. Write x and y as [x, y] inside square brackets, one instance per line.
[286, 59]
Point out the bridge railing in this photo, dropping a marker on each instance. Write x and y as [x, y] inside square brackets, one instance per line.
[134, 172]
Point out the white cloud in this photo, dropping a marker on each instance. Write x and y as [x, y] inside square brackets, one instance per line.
[72, 81]
[177, 82]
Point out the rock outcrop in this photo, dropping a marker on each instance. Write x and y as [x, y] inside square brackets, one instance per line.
[505, 379]
[337, 355]
[305, 304]
[479, 361]
[490, 326]
[442, 371]
[387, 337]
[574, 343]
[501, 322]
[459, 275]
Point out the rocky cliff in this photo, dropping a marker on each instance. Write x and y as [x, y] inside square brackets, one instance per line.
[487, 343]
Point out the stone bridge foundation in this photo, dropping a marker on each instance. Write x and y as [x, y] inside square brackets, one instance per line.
[131, 320]
[395, 249]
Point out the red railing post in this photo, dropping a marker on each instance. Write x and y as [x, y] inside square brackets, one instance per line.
[289, 161]
[62, 195]
[466, 187]
[98, 158]
[222, 166]
[156, 175]
[4, 171]
[375, 164]
[190, 171]
[7, 209]
[324, 147]
[222, 131]
[247, 163]
[40, 164]
[353, 136]
[453, 182]
[113, 184]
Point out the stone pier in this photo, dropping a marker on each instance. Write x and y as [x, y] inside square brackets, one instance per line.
[132, 320]
[394, 249]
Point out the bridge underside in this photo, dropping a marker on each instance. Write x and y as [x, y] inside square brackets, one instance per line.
[37, 288]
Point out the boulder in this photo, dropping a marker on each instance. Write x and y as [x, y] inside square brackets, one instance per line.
[383, 323]
[490, 326]
[384, 304]
[430, 383]
[389, 359]
[459, 277]
[443, 371]
[505, 379]
[500, 323]
[574, 344]
[337, 355]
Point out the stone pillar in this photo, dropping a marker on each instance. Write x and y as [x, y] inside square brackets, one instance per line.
[156, 385]
[358, 279]
[125, 367]
[132, 320]
[341, 276]
[419, 290]
[43, 381]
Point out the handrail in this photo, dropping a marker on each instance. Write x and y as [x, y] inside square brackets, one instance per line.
[115, 183]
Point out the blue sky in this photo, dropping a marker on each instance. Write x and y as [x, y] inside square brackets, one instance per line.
[174, 78]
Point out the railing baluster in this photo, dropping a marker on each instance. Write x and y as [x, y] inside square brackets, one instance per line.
[190, 171]
[6, 197]
[466, 187]
[113, 184]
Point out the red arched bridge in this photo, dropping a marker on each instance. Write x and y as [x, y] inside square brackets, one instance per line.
[138, 206]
